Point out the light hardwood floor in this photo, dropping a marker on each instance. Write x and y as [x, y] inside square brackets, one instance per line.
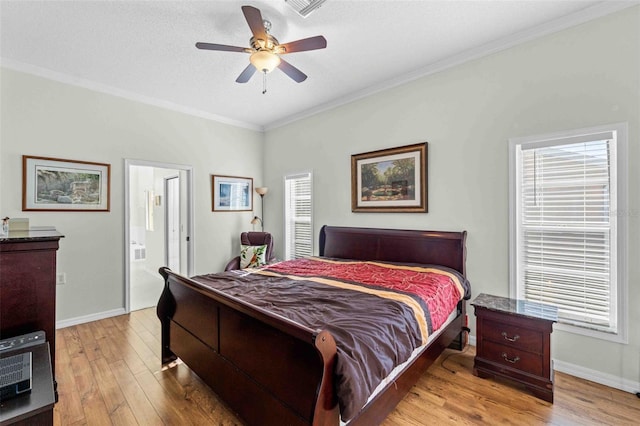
[109, 372]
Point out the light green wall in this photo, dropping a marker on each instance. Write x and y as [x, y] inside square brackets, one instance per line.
[581, 77]
[42, 117]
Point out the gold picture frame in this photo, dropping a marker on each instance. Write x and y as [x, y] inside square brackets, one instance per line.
[56, 184]
[231, 193]
[390, 180]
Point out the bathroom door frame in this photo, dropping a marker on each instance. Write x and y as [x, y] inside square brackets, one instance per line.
[189, 235]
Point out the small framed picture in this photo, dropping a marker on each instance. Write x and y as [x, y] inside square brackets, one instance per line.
[54, 184]
[231, 193]
[390, 180]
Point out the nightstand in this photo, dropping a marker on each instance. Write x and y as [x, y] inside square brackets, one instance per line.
[513, 340]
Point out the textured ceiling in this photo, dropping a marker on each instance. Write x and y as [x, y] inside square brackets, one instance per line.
[145, 49]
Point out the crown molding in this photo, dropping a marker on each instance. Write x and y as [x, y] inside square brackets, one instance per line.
[109, 90]
[596, 11]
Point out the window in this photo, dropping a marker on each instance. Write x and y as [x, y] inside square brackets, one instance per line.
[568, 230]
[297, 216]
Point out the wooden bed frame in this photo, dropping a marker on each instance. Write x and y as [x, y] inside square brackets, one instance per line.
[272, 371]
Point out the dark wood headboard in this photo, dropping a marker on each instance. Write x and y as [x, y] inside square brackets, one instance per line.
[395, 245]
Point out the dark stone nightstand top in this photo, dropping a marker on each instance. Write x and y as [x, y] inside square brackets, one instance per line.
[516, 307]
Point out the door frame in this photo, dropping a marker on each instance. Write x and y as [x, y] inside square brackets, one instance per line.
[189, 234]
[166, 180]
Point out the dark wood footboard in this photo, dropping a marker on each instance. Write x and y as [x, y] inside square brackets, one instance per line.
[268, 369]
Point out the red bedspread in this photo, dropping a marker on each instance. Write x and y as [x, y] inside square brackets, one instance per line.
[438, 288]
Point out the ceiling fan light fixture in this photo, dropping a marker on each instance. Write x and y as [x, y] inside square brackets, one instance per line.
[264, 60]
[265, 49]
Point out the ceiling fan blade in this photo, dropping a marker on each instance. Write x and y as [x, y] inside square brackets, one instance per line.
[254, 19]
[246, 74]
[293, 72]
[222, 47]
[311, 43]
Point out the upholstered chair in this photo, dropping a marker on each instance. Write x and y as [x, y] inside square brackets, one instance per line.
[254, 239]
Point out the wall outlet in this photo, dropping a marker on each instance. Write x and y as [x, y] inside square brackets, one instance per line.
[61, 278]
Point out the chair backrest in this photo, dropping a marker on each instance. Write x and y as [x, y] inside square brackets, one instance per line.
[259, 239]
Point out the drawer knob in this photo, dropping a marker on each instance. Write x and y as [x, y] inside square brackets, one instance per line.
[511, 360]
[511, 339]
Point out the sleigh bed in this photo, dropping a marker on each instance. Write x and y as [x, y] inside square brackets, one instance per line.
[273, 368]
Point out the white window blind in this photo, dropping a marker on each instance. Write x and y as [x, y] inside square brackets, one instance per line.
[566, 227]
[298, 215]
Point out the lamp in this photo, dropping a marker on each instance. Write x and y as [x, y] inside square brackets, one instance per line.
[264, 61]
[257, 220]
[261, 191]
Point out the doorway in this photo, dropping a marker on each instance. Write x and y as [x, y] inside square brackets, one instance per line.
[158, 228]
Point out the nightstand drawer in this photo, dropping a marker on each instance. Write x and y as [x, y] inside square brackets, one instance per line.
[512, 357]
[514, 336]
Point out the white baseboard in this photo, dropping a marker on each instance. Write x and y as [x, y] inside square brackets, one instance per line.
[597, 376]
[589, 374]
[88, 318]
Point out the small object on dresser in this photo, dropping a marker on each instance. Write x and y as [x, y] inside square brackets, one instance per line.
[5, 226]
[18, 224]
[513, 340]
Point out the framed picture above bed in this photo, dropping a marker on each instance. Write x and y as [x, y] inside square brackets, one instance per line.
[54, 184]
[390, 180]
[231, 193]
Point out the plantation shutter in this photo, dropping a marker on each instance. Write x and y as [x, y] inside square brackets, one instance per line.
[298, 224]
[566, 232]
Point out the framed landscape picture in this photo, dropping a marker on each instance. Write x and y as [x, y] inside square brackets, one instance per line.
[231, 193]
[390, 180]
[54, 184]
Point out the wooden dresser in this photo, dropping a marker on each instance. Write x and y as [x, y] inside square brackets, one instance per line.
[28, 284]
[513, 340]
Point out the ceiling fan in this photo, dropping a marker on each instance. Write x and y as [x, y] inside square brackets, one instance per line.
[265, 49]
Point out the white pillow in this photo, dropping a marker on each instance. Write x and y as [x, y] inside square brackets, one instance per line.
[253, 256]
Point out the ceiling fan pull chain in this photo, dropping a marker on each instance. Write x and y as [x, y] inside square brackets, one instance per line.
[264, 82]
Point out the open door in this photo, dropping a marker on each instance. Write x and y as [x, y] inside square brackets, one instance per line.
[158, 228]
[172, 228]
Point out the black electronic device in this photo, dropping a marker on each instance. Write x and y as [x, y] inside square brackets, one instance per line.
[15, 375]
[23, 341]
